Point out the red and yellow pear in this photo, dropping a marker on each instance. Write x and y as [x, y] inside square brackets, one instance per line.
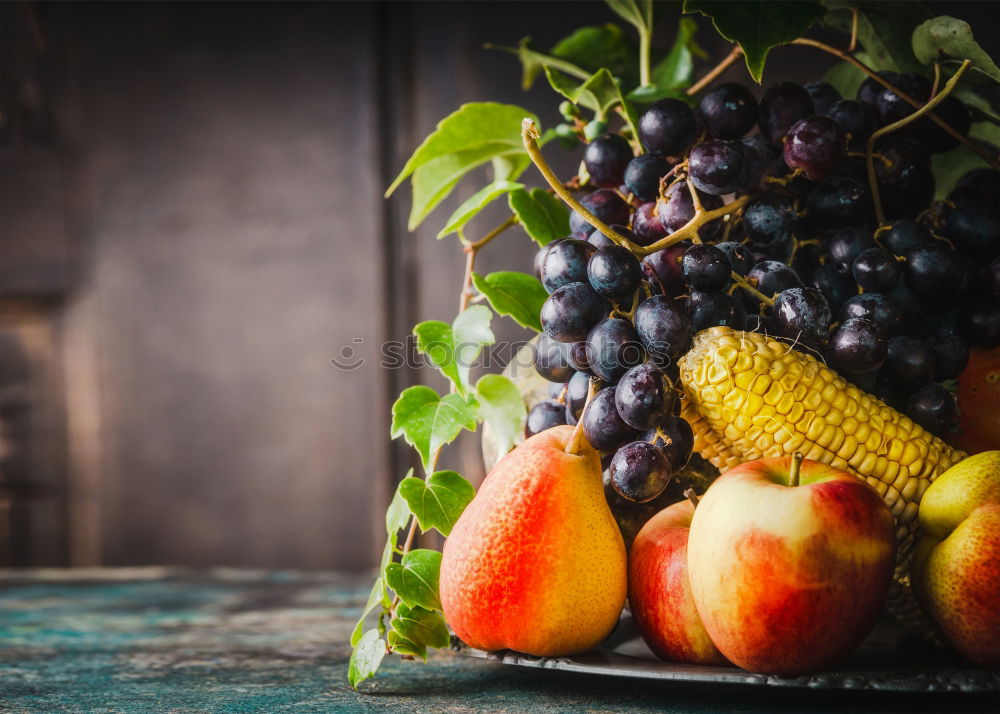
[536, 562]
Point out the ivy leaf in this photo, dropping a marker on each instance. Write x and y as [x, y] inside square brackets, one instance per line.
[950, 166]
[591, 48]
[388, 551]
[470, 127]
[600, 92]
[415, 579]
[845, 77]
[502, 406]
[884, 30]
[675, 72]
[470, 137]
[428, 422]
[475, 203]
[507, 167]
[397, 515]
[517, 295]
[758, 25]
[543, 216]
[438, 501]
[454, 348]
[979, 106]
[402, 646]
[436, 179]
[421, 627]
[946, 37]
[375, 597]
[986, 131]
[631, 12]
[366, 658]
[533, 62]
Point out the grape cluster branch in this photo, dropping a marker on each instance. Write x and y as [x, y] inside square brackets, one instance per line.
[985, 155]
[889, 128]
[529, 135]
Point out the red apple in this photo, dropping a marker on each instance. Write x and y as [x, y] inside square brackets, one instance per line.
[659, 592]
[789, 566]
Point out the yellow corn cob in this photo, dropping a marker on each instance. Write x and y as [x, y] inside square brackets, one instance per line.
[756, 397]
[710, 445]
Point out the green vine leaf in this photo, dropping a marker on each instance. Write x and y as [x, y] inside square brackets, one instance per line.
[471, 136]
[517, 295]
[502, 406]
[758, 25]
[950, 166]
[454, 348]
[579, 55]
[402, 646]
[470, 127]
[591, 48]
[388, 551]
[438, 501]
[944, 37]
[376, 597]
[435, 180]
[543, 216]
[475, 203]
[421, 627]
[987, 131]
[600, 92]
[533, 62]
[979, 106]
[427, 422]
[884, 30]
[415, 579]
[507, 167]
[845, 77]
[366, 658]
[398, 513]
[675, 72]
[631, 12]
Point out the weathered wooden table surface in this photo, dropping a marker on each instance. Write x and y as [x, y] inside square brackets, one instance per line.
[174, 641]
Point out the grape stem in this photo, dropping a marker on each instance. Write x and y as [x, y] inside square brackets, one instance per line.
[471, 251]
[750, 288]
[645, 45]
[853, 44]
[714, 73]
[869, 151]
[529, 135]
[690, 229]
[985, 155]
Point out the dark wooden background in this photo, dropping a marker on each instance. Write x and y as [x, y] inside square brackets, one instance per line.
[192, 226]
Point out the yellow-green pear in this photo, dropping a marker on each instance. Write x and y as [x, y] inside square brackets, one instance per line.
[956, 567]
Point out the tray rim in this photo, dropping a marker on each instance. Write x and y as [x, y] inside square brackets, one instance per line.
[606, 662]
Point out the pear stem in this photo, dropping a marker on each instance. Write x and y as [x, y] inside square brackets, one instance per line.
[577, 439]
[793, 474]
[692, 497]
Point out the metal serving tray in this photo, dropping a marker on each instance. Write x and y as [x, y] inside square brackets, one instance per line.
[890, 659]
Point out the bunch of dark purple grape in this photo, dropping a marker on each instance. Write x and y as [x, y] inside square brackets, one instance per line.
[892, 307]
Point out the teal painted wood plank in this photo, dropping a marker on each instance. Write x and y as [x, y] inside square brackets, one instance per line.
[234, 642]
